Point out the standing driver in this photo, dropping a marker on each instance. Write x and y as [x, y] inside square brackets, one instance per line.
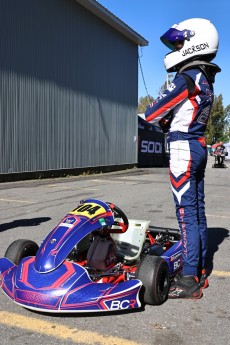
[185, 107]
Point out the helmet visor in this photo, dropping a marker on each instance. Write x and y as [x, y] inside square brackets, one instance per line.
[174, 35]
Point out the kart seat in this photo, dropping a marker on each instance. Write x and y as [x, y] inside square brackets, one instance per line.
[130, 243]
[101, 254]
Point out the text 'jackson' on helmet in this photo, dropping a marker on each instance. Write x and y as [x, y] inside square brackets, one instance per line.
[189, 40]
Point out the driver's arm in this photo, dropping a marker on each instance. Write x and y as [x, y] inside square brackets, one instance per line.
[172, 96]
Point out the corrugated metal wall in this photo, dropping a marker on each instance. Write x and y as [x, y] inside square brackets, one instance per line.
[68, 88]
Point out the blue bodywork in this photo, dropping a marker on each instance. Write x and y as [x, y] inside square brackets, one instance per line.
[50, 282]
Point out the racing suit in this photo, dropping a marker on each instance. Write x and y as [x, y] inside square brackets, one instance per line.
[188, 157]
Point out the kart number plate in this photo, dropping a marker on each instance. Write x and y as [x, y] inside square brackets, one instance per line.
[89, 210]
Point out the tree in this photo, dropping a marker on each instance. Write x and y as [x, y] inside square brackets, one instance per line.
[226, 136]
[216, 123]
[143, 103]
[227, 114]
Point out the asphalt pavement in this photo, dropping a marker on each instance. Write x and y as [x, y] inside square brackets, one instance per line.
[30, 209]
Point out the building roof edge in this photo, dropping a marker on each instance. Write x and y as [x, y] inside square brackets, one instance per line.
[108, 17]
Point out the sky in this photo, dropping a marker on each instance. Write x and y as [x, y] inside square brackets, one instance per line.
[152, 18]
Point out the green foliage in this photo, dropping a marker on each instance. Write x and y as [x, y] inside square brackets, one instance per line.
[143, 103]
[216, 128]
[226, 136]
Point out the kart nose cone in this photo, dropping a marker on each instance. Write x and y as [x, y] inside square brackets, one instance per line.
[66, 289]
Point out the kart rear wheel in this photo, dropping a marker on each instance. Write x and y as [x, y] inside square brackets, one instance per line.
[154, 274]
[20, 249]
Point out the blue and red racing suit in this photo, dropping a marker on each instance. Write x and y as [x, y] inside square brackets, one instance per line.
[188, 158]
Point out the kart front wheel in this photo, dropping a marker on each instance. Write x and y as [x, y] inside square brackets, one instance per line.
[153, 272]
[20, 249]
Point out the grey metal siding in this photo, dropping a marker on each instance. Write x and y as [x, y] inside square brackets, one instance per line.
[68, 88]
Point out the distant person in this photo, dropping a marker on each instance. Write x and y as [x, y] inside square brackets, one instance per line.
[219, 153]
[184, 109]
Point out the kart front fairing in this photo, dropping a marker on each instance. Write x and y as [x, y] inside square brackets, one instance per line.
[49, 282]
[68, 288]
[87, 217]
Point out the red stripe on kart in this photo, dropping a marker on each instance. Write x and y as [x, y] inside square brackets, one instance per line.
[67, 275]
[25, 269]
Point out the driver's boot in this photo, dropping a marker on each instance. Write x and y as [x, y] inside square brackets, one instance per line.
[204, 279]
[186, 287]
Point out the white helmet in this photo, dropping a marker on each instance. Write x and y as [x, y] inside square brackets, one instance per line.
[190, 40]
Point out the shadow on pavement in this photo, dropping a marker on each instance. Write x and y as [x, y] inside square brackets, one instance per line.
[215, 237]
[23, 222]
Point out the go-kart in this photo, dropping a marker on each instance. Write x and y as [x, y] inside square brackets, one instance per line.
[94, 260]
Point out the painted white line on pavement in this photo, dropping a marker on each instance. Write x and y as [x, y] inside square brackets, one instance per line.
[19, 201]
[217, 216]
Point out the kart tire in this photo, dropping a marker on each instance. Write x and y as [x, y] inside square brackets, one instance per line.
[21, 249]
[153, 272]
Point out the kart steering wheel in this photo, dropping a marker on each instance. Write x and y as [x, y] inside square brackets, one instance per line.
[118, 213]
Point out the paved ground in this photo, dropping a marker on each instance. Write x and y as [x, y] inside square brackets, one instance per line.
[31, 209]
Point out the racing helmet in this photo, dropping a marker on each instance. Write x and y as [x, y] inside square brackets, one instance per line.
[189, 40]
